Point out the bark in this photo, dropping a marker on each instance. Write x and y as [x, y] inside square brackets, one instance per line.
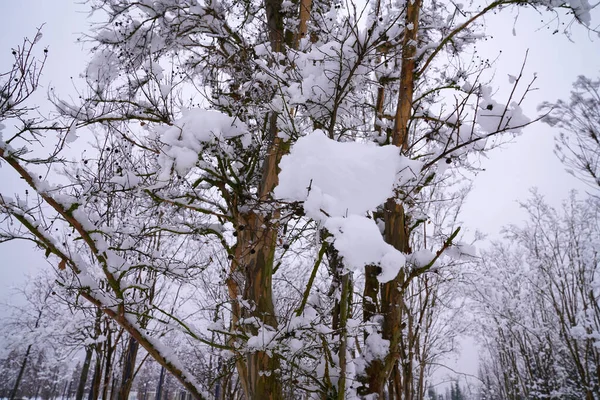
[396, 233]
[64, 392]
[407, 76]
[345, 302]
[257, 261]
[128, 368]
[370, 298]
[252, 266]
[161, 380]
[305, 8]
[97, 376]
[109, 348]
[396, 229]
[15, 390]
[341, 280]
[112, 388]
[84, 373]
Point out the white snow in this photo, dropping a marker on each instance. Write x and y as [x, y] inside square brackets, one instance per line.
[336, 179]
[493, 116]
[377, 346]
[263, 340]
[461, 251]
[128, 180]
[338, 184]
[359, 241]
[185, 139]
[421, 258]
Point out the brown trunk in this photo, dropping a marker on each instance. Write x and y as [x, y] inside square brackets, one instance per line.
[396, 384]
[341, 280]
[345, 302]
[370, 300]
[252, 265]
[396, 230]
[407, 360]
[392, 307]
[407, 76]
[252, 268]
[305, 7]
[97, 376]
[257, 261]
[396, 234]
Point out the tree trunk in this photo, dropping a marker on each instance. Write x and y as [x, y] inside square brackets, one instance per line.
[84, 373]
[396, 233]
[65, 392]
[341, 285]
[128, 368]
[109, 348]
[263, 381]
[252, 265]
[13, 394]
[345, 303]
[96, 378]
[113, 385]
[159, 388]
[166, 387]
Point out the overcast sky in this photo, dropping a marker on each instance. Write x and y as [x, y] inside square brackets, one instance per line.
[509, 172]
[512, 171]
[63, 21]
[529, 161]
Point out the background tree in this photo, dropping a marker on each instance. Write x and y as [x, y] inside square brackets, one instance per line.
[540, 299]
[44, 333]
[578, 145]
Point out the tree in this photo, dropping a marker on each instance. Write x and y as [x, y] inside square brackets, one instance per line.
[578, 145]
[538, 346]
[41, 336]
[223, 136]
[540, 305]
[456, 391]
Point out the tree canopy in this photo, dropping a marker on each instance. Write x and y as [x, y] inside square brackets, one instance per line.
[271, 187]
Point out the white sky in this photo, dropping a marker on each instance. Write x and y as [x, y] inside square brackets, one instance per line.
[510, 172]
[529, 161]
[63, 21]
